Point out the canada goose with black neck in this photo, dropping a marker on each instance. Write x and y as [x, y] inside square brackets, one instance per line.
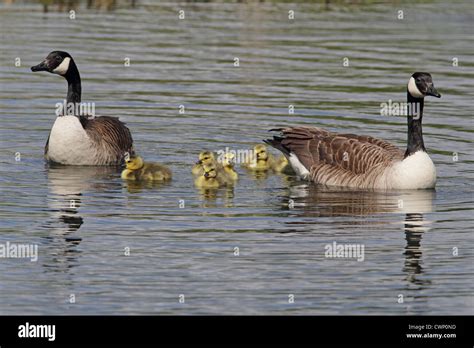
[77, 139]
[360, 161]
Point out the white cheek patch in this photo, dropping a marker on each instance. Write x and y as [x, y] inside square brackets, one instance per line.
[413, 90]
[63, 67]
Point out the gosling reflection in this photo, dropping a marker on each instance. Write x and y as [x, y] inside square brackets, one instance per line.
[140, 186]
[259, 176]
[217, 197]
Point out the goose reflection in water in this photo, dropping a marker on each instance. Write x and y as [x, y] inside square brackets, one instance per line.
[415, 226]
[310, 200]
[66, 186]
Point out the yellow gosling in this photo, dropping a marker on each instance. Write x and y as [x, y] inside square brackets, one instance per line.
[262, 159]
[209, 178]
[228, 167]
[205, 158]
[137, 170]
[281, 165]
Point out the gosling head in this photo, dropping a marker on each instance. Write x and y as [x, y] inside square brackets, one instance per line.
[260, 152]
[206, 158]
[210, 171]
[133, 162]
[57, 62]
[421, 85]
[228, 159]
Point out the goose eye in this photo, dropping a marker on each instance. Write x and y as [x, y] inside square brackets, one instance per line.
[58, 58]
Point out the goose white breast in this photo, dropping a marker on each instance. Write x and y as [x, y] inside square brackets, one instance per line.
[69, 143]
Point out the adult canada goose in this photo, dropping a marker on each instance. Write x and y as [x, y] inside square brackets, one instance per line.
[82, 139]
[361, 161]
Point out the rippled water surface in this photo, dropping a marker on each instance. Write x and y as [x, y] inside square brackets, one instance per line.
[83, 219]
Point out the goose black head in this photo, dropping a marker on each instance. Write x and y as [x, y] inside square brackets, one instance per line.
[421, 85]
[57, 62]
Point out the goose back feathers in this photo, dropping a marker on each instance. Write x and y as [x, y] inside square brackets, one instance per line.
[110, 136]
[336, 159]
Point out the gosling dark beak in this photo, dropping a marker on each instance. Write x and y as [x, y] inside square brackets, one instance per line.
[199, 162]
[433, 92]
[206, 175]
[40, 67]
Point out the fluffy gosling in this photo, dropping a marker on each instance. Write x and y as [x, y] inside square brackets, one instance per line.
[228, 167]
[209, 178]
[137, 170]
[281, 165]
[205, 158]
[264, 161]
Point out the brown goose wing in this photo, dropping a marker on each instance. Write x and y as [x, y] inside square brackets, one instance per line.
[317, 147]
[110, 134]
[389, 147]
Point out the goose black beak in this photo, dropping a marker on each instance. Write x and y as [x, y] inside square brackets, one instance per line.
[40, 67]
[433, 92]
